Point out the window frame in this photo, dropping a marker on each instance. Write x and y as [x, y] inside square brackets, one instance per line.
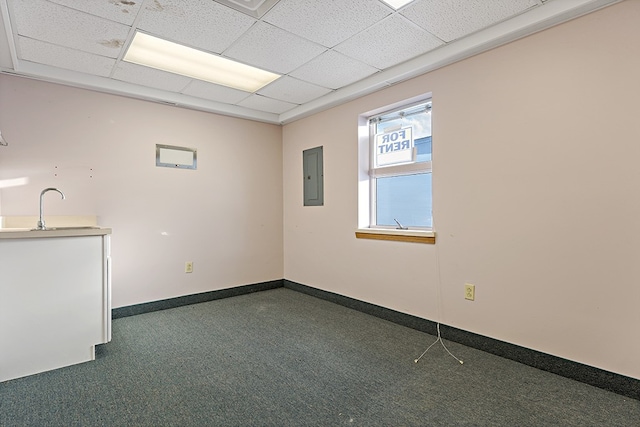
[369, 173]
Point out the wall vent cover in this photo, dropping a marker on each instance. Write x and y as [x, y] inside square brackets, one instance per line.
[254, 8]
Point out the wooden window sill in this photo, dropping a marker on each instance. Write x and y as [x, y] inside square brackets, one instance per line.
[413, 236]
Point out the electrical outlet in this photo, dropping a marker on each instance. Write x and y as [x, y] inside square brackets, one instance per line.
[469, 291]
[188, 267]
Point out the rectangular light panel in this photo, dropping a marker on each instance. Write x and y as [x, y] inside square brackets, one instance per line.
[164, 55]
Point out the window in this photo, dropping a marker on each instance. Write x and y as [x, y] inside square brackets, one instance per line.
[397, 175]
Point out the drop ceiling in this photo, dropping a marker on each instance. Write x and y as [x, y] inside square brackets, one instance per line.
[326, 51]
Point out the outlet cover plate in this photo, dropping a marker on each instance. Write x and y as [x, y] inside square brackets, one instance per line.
[469, 291]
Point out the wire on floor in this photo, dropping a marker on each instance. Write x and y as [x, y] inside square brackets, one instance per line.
[443, 346]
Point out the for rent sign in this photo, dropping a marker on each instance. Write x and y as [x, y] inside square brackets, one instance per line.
[394, 147]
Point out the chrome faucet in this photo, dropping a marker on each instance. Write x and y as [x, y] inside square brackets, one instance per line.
[41, 225]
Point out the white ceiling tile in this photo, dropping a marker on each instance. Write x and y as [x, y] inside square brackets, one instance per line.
[214, 92]
[151, 77]
[262, 103]
[327, 23]
[116, 10]
[43, 20]
[293, 90]
[451, 19]
[202, 24]
[333, 70]
[390, 42]
[63, 57]
[273, 49]
[320, 45]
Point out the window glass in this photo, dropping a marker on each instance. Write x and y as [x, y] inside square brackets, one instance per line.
[405, 198]
[401, 167]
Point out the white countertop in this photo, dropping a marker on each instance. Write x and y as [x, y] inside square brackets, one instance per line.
[27, 233]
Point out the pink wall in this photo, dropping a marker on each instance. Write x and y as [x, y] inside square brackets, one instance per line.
[536, 201]
[226, 216]
[535, 193]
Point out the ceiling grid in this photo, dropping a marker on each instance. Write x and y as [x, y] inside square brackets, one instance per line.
[326, 51]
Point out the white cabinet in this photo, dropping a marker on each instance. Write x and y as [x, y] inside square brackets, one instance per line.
[55, 300]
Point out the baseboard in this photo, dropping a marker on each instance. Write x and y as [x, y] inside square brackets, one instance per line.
[616, 383]
[165, 304]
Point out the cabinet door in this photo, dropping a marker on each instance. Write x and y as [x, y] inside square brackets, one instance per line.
[51, 303]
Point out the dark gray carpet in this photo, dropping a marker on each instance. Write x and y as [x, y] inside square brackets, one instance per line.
[282, 358]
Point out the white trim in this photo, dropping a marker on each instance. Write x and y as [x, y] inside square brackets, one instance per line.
[403, 169]
[7, 37]
[118, 87]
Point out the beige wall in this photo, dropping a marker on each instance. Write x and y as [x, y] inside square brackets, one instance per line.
[226, 216]
[536, 152]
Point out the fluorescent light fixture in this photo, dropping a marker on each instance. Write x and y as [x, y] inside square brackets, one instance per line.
[397, 4]
[164, 55]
